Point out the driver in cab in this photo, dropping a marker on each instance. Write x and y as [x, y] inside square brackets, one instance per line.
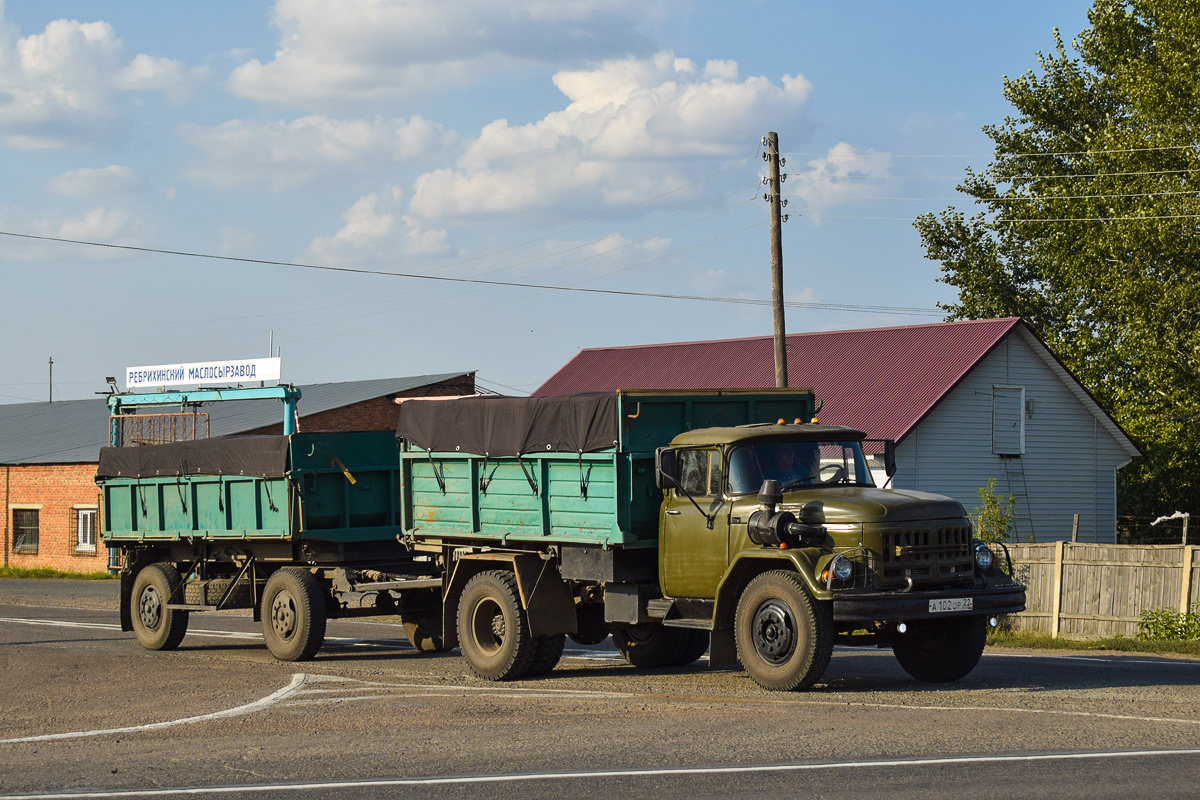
[792, 463]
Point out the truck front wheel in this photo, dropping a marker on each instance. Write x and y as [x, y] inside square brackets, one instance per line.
[293, 617]
[493, 630]
[941, 650]
[158, 627]
[784, 638]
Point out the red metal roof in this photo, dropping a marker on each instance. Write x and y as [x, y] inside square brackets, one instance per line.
[879, 380]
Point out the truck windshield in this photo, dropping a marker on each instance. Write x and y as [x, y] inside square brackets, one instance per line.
[797, 464]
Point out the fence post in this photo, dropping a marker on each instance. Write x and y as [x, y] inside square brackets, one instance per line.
[1056, 604]
[1075, 529]
[1185, 593]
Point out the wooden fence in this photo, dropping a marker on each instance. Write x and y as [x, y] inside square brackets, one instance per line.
[1086, 591]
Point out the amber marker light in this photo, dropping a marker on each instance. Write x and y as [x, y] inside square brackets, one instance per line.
[814, 420]
[781, 421]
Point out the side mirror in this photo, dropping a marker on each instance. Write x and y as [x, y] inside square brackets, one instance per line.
[666, 468]
[889, 457]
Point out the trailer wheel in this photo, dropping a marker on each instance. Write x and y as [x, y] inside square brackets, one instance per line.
[590, 622]
[784, 638]
[549, 652]
[941, 650]
[652, 644]
[493, 630]
[293, 617]
[424, 632]
[158, 627]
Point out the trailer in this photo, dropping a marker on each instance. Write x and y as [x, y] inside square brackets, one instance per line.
[502, 526]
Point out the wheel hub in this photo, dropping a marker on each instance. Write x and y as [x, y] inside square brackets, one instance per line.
[283, 614]
[150, 608]
[774, 632]
[498, 627]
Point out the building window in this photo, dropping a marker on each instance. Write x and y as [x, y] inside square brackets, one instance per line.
[25, 530]
[85, 530]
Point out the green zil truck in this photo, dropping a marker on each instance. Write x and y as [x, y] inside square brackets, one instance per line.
[675, 522]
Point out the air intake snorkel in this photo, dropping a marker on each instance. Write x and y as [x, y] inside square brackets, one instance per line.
[771, 528]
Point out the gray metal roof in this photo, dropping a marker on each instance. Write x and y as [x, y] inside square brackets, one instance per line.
[73, 431]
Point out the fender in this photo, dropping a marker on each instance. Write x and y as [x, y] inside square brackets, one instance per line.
[548, 601]
[745, 566]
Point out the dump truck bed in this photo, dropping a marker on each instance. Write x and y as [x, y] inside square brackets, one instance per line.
[576, 469]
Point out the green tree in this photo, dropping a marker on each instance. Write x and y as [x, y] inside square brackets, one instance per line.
[1090, 229]
[993, 517]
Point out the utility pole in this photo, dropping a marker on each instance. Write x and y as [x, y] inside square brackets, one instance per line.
[774, 181]
[51, 379]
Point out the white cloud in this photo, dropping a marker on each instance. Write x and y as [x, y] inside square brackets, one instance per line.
[101, 224]
[59, 88]
[106, 181]
[284, 155]
[375, 229]
[368, 51]
[146, 73]
[630, 129]
[835, 178]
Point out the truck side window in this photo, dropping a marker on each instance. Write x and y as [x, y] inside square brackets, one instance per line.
[700, 472]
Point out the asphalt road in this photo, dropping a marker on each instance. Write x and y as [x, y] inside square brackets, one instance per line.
[86, 712]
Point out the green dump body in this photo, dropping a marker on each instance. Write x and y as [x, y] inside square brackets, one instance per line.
[607, 498]
[334, 487]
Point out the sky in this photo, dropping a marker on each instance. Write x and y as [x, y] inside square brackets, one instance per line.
[361, 183]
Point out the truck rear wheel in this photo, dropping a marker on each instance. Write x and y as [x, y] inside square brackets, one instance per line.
[293, 617]
[549, 652]
[941, 650]
[652, 644]
[158, 627]
[424, 632]
[784, 638]
[493, 630]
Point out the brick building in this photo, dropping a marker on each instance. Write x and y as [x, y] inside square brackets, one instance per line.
[49, 453]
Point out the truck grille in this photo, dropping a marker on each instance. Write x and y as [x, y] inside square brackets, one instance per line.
[927, 555]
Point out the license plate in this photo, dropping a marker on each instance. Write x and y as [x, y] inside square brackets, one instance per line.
[945, 604]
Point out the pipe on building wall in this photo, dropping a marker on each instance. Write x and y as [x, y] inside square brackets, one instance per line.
[7, 514]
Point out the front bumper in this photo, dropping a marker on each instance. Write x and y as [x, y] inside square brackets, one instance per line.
[902, 606]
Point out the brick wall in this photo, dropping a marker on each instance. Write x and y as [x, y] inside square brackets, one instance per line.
[55, 491]
[379, 414]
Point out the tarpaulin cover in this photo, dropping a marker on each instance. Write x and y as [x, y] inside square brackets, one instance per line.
[511, 426]
[259, 456]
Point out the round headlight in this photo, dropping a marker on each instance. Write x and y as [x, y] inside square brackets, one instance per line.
[841, 568]
[983, 557]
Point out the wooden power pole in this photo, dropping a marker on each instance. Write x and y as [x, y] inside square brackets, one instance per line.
[774, 198]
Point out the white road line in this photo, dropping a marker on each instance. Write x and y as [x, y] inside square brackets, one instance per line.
[298, 680]
[601, 774]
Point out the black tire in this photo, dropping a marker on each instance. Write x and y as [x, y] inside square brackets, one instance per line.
[158, 627]
[941, 650]
[293, 614]
[493, 630]
[590, 622]
[424, 632]
[651, 644]
[695, 645]
[549, 651]
[784, 638]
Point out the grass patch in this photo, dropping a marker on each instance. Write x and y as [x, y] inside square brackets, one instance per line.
[1042, 642]
[50, 572]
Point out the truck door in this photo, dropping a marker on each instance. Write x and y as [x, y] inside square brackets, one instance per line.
[693, 556]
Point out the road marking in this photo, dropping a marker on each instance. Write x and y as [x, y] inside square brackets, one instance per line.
[298, 680]
[528, 777]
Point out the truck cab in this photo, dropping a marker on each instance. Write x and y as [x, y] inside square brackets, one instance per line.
[778, 534]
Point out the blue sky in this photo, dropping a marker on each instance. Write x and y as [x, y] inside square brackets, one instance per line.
[605, 144]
